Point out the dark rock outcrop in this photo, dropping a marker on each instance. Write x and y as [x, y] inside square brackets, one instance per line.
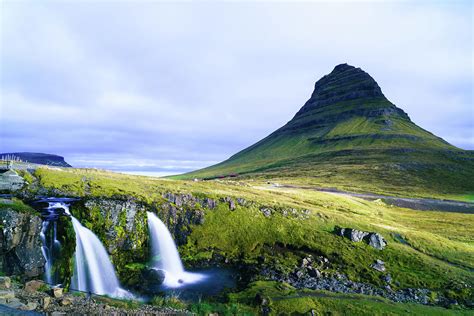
[20, 244]
[374, 240]
[39, 158]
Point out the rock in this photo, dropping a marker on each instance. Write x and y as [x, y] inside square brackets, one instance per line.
[241, 201]
[152, 280]
[33, 286]
[11, 181]
[266, 212]
[20, 249]
[357, 235]
[57, 292]
[373, 239]
[30, 306]
[5, 295]
[57, 313]
[306, 262]
[209, 203]
[261, 300]
[315, 273]
[379, 265]
[15, 303]
[387, 278]
[67, 301]
[231, 203]
[45, 302]
[5, 283]
[377, 241]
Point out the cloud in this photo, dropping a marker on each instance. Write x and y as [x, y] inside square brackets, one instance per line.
[111, 82]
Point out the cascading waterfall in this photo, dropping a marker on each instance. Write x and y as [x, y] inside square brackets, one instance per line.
[93, 271]
[51, 245]
[165, 255]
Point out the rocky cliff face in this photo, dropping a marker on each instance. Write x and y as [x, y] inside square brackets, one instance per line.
[20, 244]
[39, 158]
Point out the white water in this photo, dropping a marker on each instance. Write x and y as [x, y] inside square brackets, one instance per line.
[51, 245]
[165, 255]
[93, 271]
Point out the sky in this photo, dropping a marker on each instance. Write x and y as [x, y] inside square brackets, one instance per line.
[171, 87]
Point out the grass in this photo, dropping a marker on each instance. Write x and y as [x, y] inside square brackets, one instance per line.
[286, 300]
[437, 251]
[18, 206]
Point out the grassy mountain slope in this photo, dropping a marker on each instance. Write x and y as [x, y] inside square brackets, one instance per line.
[349, 132]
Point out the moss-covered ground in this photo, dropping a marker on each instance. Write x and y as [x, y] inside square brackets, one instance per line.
[426, 249]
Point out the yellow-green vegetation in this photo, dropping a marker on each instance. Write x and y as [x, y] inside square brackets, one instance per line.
[283, 299]
[17, 205]
[432, 250]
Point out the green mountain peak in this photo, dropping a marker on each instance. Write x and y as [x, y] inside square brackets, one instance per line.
[349, 129]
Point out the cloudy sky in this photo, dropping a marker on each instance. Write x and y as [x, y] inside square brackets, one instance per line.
[165, 87]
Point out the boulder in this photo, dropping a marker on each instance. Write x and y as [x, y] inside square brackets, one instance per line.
[6, 295]
[33, 286]
[377, 241]
[20, 249]
[46, 301]
[152, 280]
[373, 239]
[266, 212]
[231, 203]
[57, 292]
[30, 306]
[5, 283]
[357, 235]
[67, 301]
[379, 265]
[315, 273]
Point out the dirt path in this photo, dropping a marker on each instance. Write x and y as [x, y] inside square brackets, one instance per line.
[413, 203]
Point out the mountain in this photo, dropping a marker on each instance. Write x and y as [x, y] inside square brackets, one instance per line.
[349, 134]
[39, 158]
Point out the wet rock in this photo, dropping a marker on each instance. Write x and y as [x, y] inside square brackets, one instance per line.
[379, 265]
[15, 303]
[20, 244]
[33, 286]
[5, 295]
[67, 301]
[152, 280]
[57, 292]
[45, 302]
[5, 283]
[30, 306]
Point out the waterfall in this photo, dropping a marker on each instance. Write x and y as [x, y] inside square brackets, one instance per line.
[51, 245]
[165, 255]
[93, 271]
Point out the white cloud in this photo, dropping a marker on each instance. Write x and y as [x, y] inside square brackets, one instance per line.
[199, 81]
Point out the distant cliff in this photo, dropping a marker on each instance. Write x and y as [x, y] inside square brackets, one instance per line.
[39, 158]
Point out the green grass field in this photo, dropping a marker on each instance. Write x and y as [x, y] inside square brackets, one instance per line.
[426, 249]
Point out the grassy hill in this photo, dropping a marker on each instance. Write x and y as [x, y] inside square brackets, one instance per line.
[426, 249]
[349, 135]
